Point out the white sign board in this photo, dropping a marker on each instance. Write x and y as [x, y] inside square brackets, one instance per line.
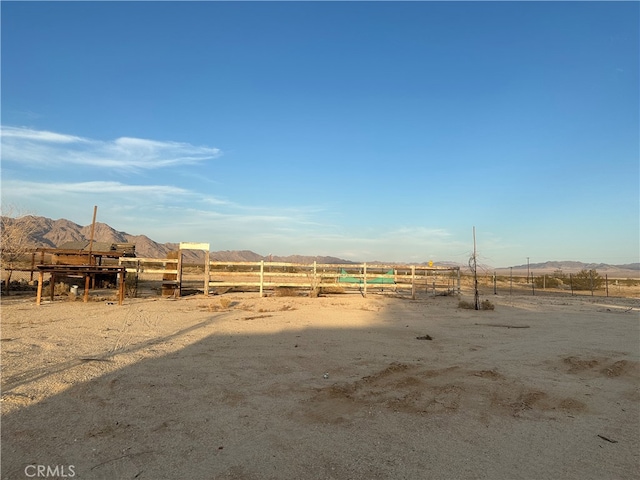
[194, 246]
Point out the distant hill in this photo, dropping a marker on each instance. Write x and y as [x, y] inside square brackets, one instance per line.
[53, 233]
[50, 233]
[628, 270]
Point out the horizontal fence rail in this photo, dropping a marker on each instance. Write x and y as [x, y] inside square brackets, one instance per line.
[155, 274]
[316, 277]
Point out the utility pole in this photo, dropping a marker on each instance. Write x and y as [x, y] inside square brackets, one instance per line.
[93, 229]
[527, 269]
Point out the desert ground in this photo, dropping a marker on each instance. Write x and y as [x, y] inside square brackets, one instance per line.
[341, 386]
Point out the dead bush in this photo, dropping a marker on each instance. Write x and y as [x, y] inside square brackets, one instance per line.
[287, 292]
[466, 305]
[487, 305]
[331, 290]
[484, 305]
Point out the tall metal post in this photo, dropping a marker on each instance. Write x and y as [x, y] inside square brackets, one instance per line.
[475, 272]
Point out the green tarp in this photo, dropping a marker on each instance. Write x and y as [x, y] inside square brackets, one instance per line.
[346, 278]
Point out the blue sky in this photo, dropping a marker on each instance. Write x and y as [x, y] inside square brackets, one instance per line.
[367, 131]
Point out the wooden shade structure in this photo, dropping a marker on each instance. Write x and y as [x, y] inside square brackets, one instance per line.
[84, 270]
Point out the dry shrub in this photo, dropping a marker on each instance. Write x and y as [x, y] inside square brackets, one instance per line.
[466, 305]
[58, 289]
[484, 305]
[224, 304]
[131, 285]
[487, 305]
[332, 290]
[287, 292]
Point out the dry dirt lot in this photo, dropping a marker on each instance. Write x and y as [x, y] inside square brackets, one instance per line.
[336, 387]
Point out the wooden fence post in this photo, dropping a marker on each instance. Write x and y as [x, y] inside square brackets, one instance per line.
[179, 276]
[40, 282]
[206, 273]
[364, 272]
[33, 265]
[413, 282]
[87, 279]
[315, 284]
[121, 276]
[261, 278]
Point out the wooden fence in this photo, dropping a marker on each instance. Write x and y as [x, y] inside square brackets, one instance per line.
[316, 278]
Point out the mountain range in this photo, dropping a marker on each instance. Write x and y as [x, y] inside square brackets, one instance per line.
[49, 233]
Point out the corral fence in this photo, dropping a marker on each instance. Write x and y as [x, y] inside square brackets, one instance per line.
[281, 278]
[172, 277]
[566, 284]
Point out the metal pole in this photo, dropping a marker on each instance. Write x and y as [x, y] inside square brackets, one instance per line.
[571, 283]
[475, 272]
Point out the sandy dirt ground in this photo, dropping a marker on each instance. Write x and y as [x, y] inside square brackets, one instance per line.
[336, 387]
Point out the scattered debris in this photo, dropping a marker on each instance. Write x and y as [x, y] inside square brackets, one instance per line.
[132, 454]
[425, 337]
[607, 439]
[501, 325]
[325, 376]
[257, 316]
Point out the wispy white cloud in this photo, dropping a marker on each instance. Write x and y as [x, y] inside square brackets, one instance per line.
[53, 190]
[43, 148]
[172, 214]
